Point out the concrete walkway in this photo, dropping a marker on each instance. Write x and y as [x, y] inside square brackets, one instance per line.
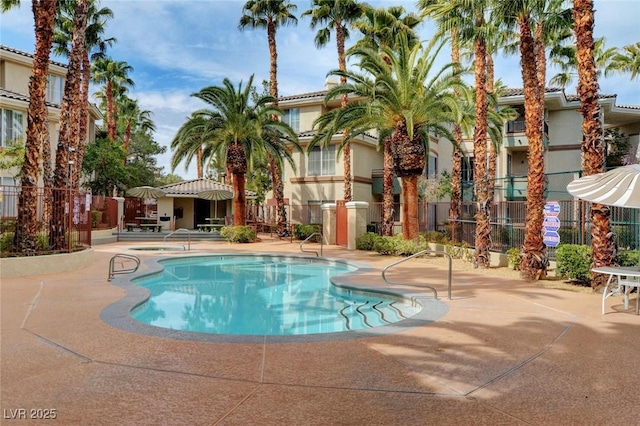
[506, 353]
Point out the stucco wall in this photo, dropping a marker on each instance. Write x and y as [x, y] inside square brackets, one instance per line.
[51, 264]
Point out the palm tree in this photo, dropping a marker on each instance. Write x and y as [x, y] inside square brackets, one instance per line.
[538, 23]
[271, 14]
[113, 74]
[593, 147]
[397, 95]
[381, 27]
[564, 57]
[237, 130]
[191, 140]
[44, 11]
[336, 15]
[132, 119]
[69, 120]
[628, 61]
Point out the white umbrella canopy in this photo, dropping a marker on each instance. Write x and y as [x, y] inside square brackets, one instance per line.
[146, 192]
[216, 194]
[618, 187]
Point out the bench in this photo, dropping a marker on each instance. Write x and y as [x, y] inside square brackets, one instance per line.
[151, 226]
[210, 227]
[130, 226]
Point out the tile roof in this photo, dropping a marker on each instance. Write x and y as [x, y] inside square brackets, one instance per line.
[4, 93]
[193, 187]
[29, 55]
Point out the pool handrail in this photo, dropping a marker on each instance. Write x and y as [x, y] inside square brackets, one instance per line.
[307, 239]
[177, 231]
[423, 252]
[113, 272]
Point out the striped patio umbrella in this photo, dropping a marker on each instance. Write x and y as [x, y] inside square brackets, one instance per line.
[618, 187]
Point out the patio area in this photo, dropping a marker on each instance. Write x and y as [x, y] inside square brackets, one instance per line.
[506, 353]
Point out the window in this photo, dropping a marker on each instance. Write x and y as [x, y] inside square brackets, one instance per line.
[322, 161]
[8, 197]
[467, 169]
[11, 127]
[292, 118]
[55, 86]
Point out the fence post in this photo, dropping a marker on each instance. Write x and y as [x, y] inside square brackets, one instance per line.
[357, 213]
[329, 223]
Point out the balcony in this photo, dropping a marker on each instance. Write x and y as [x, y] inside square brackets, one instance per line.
[377, 185]
[515, 188]
[515, 137]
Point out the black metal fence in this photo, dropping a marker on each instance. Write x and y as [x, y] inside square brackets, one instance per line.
[62, 216]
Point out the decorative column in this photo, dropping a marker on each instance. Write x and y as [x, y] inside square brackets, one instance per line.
[120, 201]
[329, 223]
[357, 217]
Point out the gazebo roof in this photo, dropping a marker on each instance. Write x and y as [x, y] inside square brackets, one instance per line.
[191, 188]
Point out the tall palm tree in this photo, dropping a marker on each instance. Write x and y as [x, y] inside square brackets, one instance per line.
[271, 14]
[132, 119]
[191, 140]
[381, 27]
[44, 11]
[401, 94]
[336, 15]
[237, 130]
[593, 146]
[537, 22]
[113, 74]
[69, 121]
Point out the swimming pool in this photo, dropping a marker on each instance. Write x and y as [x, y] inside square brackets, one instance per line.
[120, 314]
[262, 295]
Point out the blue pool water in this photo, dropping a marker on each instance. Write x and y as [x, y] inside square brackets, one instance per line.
[261, 295]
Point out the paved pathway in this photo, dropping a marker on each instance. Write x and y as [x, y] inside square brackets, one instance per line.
[506, 353]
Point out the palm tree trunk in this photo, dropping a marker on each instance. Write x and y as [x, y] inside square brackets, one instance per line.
[387, 189]
[534, 260]
[111, 112]
[346, 150]
[37, 129]
[483, 229]
[455, 206]
[239, 200]
[68, 136]
[410, 228]
[84, 111]
[602, 245]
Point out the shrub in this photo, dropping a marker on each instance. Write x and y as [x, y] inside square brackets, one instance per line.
[384, 245]
[514, 258]
[435, 237]
[366, 241]
[302, 232]
[628, 258]
[573, 262]
[238, 234]
[42, 242]
[6, 241]
[96, 218]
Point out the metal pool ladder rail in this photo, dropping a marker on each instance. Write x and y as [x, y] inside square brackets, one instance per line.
[180, 231]
[435, 292]
[112, 264]
[307, 239]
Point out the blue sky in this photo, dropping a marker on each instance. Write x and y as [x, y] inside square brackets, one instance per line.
[179, 47]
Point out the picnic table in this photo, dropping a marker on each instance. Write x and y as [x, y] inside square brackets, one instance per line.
[148, 223]
[626, 279]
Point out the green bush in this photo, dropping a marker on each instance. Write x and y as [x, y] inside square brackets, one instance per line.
[238, 234]
[628, 258]
[574, 262]
[514, 258]
[384, 245]
[42, 242]
[6, 241]
[366, 241]
[8, 225]
[435, 237]
[302, 232]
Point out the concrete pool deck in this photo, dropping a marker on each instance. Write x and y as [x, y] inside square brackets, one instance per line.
[507, 352]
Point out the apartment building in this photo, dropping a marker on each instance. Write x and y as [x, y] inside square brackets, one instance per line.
[319, 175]
[15, 73]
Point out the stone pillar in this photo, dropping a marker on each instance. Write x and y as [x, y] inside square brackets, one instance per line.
[357, 212]
[329, 223]
[120, 201]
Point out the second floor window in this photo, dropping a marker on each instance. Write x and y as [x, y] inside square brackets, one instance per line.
[55, 86]
[292, 118]
[11, 127]
[322, 161]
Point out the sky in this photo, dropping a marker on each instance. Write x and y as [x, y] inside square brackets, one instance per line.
[176, 48]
